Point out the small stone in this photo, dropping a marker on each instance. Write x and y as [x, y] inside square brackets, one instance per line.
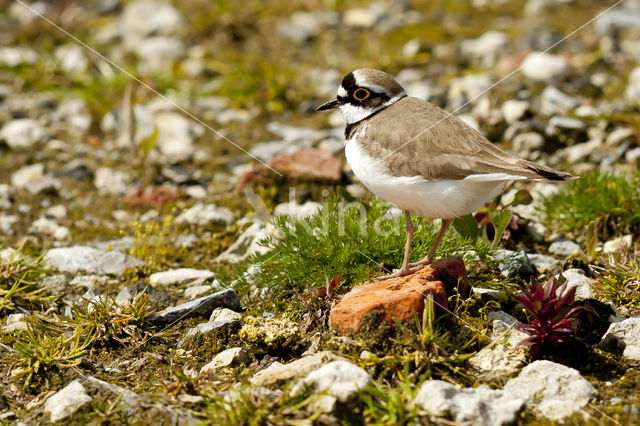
[34, 179]
[359, 17]
[513, 110]
[553, 101]
[398, 298]
[112, 182]
[296, 210]
[478, 406]
[279, 374]
[155, 54]
[618, 243]
[201, 307]
[540, 66]
[633, 89]
[619, 135]
[67, 401]
[224, 314]
[273, 333]
[211, 328]
[156, 196]
[15, 322]
[90, 260]
[623, 336]
[585, 285]
[50, 227]
[562, 247]
[553, 390]
[558, 124]
[71, 58]
[515, 263]
[537, 231]
[247, 244]
[542, 262]
[180, 276]
[310, 164]
[14, 56]
[485, 50]
[125, 396]
[146, 17]
[227, 358]
[196, 291]
[22, 133]
[206, 214]
[337, 382]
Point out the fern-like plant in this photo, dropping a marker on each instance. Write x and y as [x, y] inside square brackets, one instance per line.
[552, 308]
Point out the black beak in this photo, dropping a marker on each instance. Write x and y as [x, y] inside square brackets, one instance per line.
[332, 104]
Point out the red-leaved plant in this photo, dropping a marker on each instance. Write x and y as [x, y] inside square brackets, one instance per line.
[319, 303]
[552, 309]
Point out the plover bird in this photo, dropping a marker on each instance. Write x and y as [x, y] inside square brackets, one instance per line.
[421, 158]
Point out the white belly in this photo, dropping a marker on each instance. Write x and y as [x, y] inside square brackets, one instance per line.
[445, 199]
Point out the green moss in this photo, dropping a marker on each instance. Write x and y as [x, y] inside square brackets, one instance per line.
[613, 201]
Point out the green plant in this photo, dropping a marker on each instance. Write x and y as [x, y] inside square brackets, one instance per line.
[319, 302]
[613, 201]
[552, 309]
[389, 406]
[19, 278]
[620, 281]
[353, 240]
[44, 346]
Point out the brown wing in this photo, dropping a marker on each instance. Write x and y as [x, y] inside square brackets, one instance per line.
[441, 146]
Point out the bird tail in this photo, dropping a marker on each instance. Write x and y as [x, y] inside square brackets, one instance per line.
[549, 173]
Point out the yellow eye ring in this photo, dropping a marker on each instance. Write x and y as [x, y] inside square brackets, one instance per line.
[361, 94]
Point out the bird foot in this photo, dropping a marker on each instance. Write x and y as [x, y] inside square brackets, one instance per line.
[422, 263]
[401, 272]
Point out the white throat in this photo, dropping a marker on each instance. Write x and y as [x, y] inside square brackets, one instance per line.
[354, 113]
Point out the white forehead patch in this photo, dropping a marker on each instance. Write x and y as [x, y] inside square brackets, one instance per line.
[342, 92]
[361, 82]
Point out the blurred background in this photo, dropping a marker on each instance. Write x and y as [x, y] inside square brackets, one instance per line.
[218, 78]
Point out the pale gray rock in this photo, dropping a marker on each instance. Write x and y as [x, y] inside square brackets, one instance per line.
[542, 262]
[67, 401]
[585, 285]
[227, 358]
[558, 124]
[515, 263]
[127, 397]
[58, 212]
[225, 326]
[478, 406]
[55, 284]
[297, 211]
[201, 307]
[552, 390]
[111, 182]
[278, 373]
[34, 179]
[71, 58]
[624, 336]
[50, 227]
[224, 314]
[513, 110]
[337, 381]
[196, 291]
[247, 243]
[633, 88]
[7, 224]
[15, 322]
[618, 243]
[359, 17]
[485, 50]
[540, 66]
[565, 248]
[302, 26]
[90, 260]
[607, 24]
[581, 151]
[180, 276]
[206, 214]
[267, 151]
[619, 135]
[176, 134]
[26, 16]
[6, 192]
[22, 133]
[553, 101]
[158, 53]
[13, 56]
[144, 18]
[527, 142]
